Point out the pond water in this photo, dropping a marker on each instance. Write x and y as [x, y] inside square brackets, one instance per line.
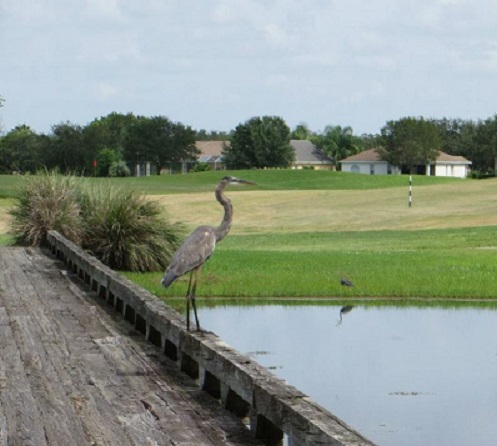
[400, 376]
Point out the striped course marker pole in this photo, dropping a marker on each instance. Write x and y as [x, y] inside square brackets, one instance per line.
[410, 190]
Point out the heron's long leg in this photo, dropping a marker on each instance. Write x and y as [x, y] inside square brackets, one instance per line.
[194, 305]
[188, 301]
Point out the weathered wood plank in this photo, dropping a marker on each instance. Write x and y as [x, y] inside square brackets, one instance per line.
[60, 423]
[22, 423]
[73, 373]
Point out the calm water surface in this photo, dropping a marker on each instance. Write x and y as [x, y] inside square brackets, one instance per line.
[405, 376]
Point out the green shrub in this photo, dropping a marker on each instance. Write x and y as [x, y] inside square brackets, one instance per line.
[125, 230]
[119, 169]
[43, 202]
[200, 167]
[105, 159]
[116, 224]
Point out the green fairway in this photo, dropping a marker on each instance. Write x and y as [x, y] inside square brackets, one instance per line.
[266, 180]
[8, 185]
[456, 263]
[275, 180]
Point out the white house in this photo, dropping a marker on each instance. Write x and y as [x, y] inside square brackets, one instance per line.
[450, 166]
[370, 163]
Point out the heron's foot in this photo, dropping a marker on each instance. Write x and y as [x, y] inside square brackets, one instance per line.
[196, 330]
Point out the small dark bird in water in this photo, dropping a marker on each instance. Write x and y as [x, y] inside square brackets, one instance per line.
[345, 282]
[344, 310]
[198, 247]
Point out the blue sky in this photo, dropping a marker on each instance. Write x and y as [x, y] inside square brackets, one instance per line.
[213, 64]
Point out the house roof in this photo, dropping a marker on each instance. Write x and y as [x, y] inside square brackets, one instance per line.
[307, 153]
[366, 156]
[372, 155]
[451, 159]
[210, 148]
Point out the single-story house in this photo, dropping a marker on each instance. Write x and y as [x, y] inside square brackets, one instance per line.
[307, 155]
[211, 153]
[450, 166]
[370, 163]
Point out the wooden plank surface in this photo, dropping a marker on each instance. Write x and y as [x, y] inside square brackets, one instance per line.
[73, 373]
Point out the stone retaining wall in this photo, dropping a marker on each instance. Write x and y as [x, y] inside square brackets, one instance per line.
[242, 386]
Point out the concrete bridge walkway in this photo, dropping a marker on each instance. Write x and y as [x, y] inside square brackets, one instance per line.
[72, 373]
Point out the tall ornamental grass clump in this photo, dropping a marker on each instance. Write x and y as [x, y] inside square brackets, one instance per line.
[125, 230]
[119, 226]
[44, 202]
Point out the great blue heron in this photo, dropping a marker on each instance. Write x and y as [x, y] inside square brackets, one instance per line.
[198, 247]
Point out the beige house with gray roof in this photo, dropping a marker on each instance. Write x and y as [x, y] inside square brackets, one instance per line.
[307, 155]
[211, 152]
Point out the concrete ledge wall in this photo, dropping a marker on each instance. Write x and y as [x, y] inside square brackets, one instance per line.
[241, 385]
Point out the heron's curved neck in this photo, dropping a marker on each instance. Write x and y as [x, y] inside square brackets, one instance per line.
[222, 230]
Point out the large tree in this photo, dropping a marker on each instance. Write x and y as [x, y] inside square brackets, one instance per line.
[213, 135]
[260, 142]
[67, 151]
[160, 141]
[301, 132]
[20, 150]
[486, 137]
[108, 132]
[410, 142]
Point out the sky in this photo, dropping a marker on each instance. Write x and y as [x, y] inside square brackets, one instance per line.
[213, 64]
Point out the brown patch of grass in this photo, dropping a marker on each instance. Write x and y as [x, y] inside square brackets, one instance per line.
[5, 218]
[461, 204]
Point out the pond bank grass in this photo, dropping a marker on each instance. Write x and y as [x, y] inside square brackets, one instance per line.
[385, 265]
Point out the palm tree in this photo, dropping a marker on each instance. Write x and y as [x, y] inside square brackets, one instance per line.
[338, 142]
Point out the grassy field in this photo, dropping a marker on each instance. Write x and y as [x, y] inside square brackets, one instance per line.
[296, 232]
[276, 180]
[453, 263]
[266, 180]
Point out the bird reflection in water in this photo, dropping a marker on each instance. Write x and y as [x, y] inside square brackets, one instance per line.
[344, 310]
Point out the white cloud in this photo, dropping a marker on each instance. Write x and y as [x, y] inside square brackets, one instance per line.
[104, 90]
[275, 35]
[448, 2]
[109, 48]
[103, 9]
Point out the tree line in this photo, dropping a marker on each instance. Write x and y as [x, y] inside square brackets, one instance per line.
[111, 144]
[406, 143]
[114, 144]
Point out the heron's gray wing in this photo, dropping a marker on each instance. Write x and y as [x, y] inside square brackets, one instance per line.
[194, 251]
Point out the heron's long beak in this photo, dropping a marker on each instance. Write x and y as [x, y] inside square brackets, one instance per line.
[240, 181]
